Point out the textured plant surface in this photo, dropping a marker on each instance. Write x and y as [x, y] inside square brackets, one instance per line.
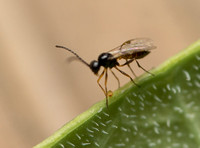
[163, 113]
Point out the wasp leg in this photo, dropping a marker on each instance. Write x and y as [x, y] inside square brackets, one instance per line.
[127, 76]
[106, 78]
[100, 79]
[143, 68]
[131, 70]
[128, 63]
[116, 78]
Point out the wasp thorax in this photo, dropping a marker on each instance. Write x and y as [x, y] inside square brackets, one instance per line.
[106, 60]
[94, 66]
[103, 59]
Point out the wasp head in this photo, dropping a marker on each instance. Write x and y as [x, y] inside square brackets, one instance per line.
[94, 66]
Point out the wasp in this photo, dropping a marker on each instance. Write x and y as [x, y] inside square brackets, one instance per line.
[130, 51]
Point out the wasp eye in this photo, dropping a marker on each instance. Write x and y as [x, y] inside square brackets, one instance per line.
[94, 66]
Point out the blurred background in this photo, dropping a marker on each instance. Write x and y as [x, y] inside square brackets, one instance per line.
[40, 90]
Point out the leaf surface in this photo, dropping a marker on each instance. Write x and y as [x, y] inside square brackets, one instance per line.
[163, 113]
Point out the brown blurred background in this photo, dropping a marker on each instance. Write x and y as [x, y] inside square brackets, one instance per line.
[39, 90]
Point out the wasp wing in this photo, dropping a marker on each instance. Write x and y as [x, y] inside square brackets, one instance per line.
[132, 46]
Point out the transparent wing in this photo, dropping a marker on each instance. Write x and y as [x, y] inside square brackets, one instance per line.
[132, 46]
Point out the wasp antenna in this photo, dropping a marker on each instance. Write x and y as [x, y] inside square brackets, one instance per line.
[58, 46]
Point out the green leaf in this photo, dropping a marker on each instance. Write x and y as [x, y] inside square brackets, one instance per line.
[163, 113]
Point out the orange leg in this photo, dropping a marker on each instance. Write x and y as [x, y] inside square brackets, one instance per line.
[128, 63]
[131, 70]
[126, 75]
[106, 78]
[143, 68]
[116, 78]
[100, 79]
